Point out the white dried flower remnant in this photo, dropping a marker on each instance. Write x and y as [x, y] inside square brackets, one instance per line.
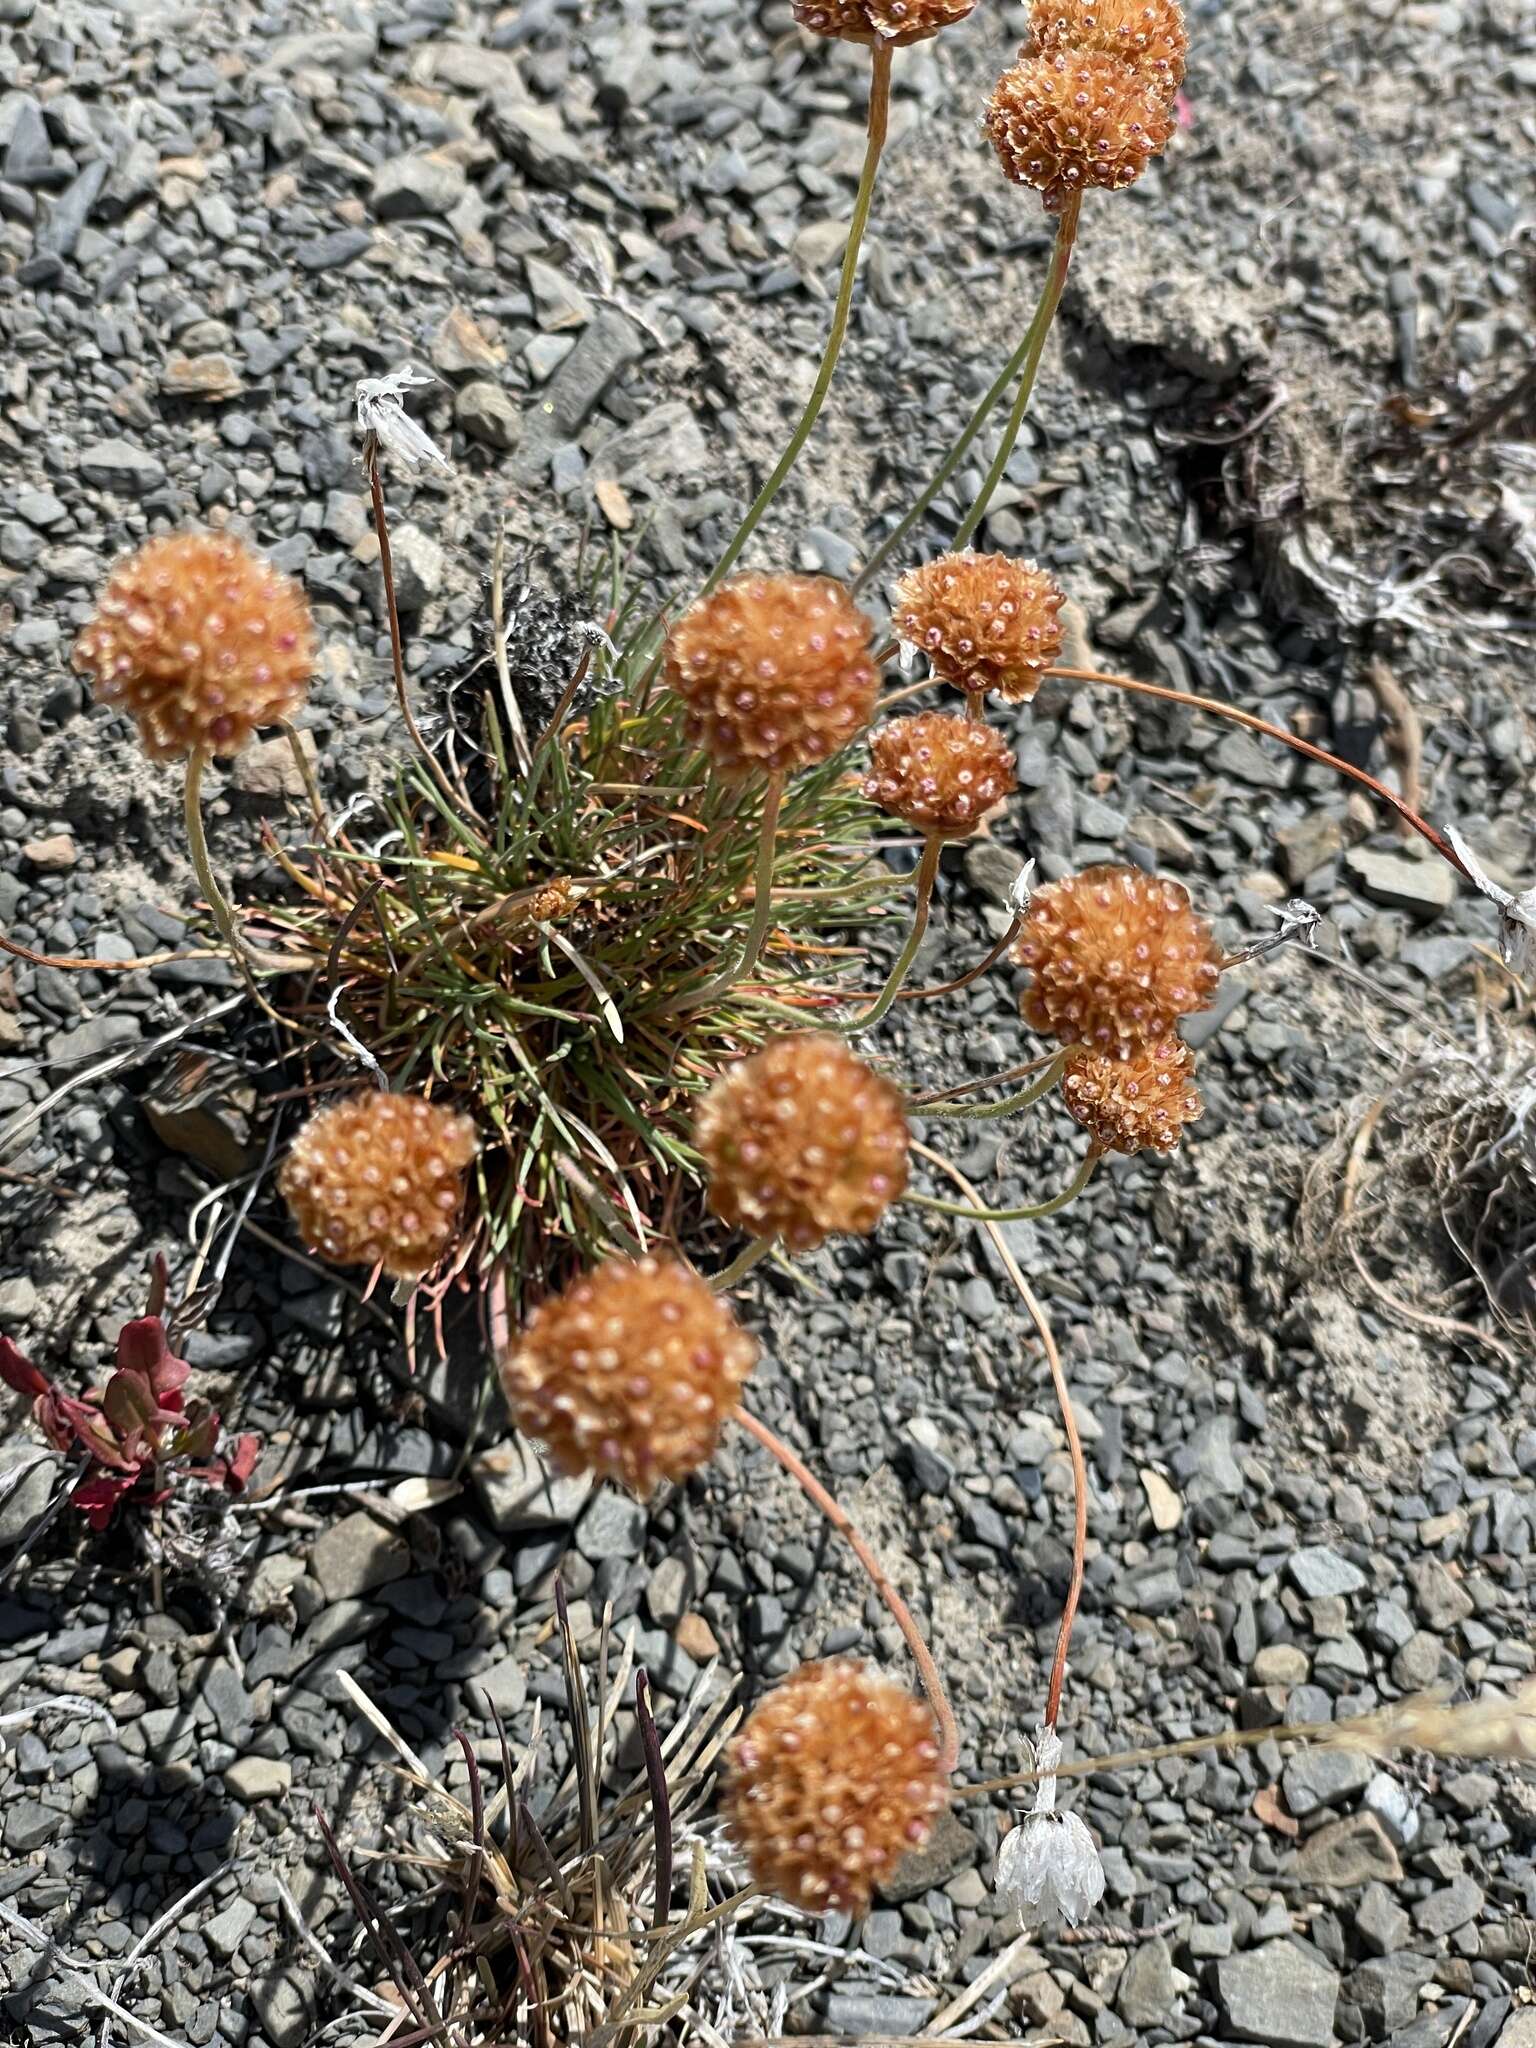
[382, 417]
[1049, 1863]
[1517, 914]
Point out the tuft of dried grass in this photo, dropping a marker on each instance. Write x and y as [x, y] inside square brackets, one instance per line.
[546, 1913]
[1453, 1142]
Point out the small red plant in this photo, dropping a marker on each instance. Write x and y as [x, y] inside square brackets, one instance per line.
[137, 1435]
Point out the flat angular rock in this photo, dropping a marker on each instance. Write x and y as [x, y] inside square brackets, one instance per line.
[355, 1555]
[518, 1492]
[416, 187]
[487, 414]
[1318, 1571]
[116, 465]
[1278, 1995]
[1347, 1853]
[1401, 881]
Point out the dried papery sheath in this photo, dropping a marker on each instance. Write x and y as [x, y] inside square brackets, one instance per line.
[1117, 957]
[887, 21]
[833, 1779]
[383, 419]
[1148, 35]
[939, 773]
[1517, 914]
[985, 622]
[1049, 1864]
[801, 1141]
[1070, 119]
[774, 672]
[631, 1373]
[201, 641]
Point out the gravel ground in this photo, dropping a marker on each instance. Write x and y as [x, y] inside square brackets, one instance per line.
[1281, 451]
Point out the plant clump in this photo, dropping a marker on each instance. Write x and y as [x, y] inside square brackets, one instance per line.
[1147, 35]
[897, 22]
[833, 1779]
[1136, 1104]
[940, 773]
[1116, 958]
[201, 641]
[630, 1373]
[774, 672]
[802, 1140]
[1070, 119]
[378, 1180]
[985, 622]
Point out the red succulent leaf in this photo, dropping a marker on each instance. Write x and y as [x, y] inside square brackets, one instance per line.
[20, 1373]
[98, 1495]
[129, 1404]
[242, 1461]
[142, 1348]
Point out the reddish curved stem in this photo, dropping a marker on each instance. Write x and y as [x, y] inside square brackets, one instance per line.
[1293, 740]
[928, 1671]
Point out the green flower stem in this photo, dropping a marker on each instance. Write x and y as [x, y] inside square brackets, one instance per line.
[1028, 1215]
[927, 874]
[762, 907]
[1034, 346]
[952, 461]
[202, 866]
[742, 1264]
[879, 113]
[979, 1112]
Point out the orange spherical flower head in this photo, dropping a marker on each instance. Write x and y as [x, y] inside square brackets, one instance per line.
[1137, 1104]
[630, 1373]
[1070, 118]
[1148, 35]
[774, 671]
[378, 1180]
[802, 1140]
[985, 622]
[887, 21]
[1116, 957]
[833, 1779]
[201, 641]
[938, 773]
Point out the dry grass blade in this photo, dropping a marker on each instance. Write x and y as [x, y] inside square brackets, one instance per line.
[547, 1916]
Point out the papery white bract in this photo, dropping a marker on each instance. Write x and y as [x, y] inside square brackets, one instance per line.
[1517, 914]
[381, 413]
[1049, 1864]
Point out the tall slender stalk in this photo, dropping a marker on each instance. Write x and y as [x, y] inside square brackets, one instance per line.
[396, 641]
[837, 1515]
[1033, 1213]
[927, 874]
[1034, 347]
[1042, 1325]
[1033, 341]
[879, 115]
[1294, 741]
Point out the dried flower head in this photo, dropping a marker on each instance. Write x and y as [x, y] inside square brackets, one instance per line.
[630, 1373]
[833, 1779]
[1070, 119]
[939, 773]
[1049, 1863]
[985, 622]
[377, 1180]
[1147, 35]
[774, 671]
[801, 1140]
[897, 22]
[201, 641]
[1117, 958]
[1139, 1103]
